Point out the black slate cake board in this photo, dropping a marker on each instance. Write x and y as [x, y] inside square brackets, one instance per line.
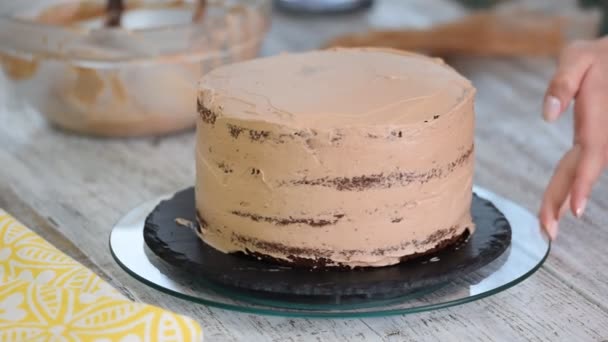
[181, 248]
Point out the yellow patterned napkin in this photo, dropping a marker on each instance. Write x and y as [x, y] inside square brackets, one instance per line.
[47, 296]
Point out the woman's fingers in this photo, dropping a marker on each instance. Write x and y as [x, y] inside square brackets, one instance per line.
[581, 75]
[574, 63]
[564, 209]
[589, 169]
[590, 134]
[558, 191]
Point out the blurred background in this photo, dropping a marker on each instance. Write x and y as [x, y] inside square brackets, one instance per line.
[119, 68]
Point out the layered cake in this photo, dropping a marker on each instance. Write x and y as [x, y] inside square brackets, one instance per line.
[345, 157]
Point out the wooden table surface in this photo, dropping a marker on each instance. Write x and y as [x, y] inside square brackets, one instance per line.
[72, 189]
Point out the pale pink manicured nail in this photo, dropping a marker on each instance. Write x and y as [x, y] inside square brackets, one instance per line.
[581, 208]
[552, 108]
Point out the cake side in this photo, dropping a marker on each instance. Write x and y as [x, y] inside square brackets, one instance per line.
[354, 195]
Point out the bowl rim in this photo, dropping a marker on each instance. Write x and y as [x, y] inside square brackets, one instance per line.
[262, 6]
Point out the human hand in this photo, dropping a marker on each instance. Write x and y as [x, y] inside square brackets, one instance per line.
[582, 77]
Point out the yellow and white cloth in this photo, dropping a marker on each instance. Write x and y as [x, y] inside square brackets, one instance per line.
[47, 296]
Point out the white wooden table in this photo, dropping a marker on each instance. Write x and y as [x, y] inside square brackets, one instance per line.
[72, 189]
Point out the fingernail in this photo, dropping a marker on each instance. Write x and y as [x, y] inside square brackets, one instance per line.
[581, 208]
[552, 108]
[551, 229]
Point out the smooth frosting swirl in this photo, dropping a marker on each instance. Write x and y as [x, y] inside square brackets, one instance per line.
[336, 88]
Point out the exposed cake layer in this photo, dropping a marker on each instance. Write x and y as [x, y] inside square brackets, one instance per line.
[355, 157]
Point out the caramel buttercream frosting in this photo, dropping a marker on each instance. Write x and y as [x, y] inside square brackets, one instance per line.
[345, 157]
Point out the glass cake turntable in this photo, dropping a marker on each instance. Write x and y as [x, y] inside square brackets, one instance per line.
[507, 247]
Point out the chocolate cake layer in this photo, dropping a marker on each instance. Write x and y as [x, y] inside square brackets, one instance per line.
[440, 239]
[353, 157]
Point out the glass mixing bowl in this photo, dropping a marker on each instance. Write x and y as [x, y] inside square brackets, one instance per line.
[139, 79]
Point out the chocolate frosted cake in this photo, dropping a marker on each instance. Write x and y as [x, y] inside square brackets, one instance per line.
[347, 157]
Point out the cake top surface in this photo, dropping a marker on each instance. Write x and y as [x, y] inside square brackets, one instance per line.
[334, 88]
